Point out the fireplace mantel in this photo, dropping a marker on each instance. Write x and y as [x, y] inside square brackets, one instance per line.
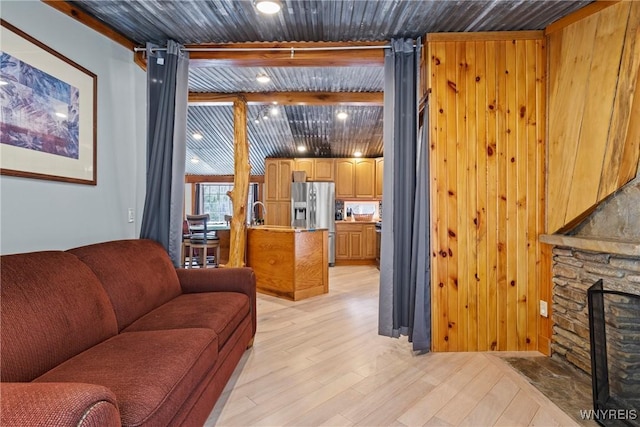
[595, 244]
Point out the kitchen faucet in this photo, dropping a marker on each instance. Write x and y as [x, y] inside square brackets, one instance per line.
[253, 212]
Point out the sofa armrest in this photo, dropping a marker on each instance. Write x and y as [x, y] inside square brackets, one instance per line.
[240, 279]
[59, 404]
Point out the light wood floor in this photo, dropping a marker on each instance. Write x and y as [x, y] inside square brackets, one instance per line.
[320, 361]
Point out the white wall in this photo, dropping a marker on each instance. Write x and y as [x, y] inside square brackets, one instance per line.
[38, 214]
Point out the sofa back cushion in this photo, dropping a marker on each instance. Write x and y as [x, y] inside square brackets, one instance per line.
[52, 308]
[137, 274]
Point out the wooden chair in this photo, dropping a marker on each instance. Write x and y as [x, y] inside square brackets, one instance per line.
[186, 241]
[201, 240]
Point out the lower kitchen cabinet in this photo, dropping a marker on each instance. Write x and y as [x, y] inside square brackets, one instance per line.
[355, 243]
[369, 241]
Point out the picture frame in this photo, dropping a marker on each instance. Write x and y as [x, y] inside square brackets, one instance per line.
[48, 106]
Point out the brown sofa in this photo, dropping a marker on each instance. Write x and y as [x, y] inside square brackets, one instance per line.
[112, 334]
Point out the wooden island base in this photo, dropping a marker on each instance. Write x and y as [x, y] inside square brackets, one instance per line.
[289, 262]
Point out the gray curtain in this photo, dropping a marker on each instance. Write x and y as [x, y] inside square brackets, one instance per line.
[404, 267]
[167, 92]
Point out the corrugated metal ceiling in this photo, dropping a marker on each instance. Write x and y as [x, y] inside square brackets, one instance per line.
[316, 127]
[287, 79]
[224, 21]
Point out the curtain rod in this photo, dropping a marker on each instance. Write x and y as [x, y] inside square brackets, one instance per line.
[258, 49]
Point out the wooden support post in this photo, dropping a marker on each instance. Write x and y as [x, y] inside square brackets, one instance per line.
[240, 192]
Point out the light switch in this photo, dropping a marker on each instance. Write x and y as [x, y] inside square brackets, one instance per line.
[544, 309]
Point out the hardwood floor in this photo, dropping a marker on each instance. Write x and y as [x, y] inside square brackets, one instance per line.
[320, 361]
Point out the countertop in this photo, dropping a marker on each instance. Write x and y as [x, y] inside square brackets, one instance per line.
[285, 228]
[349, 221]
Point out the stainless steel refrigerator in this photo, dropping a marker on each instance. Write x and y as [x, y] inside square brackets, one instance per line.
[313, 206]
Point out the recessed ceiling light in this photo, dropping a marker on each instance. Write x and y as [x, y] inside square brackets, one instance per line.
[268, 6]
[274, 111]
[197, 136]
[195, 160]
[61, 115]
[263, 78]
[357, 154]
[342, 115]
[256, 121]
[2, 83]
[302, 148]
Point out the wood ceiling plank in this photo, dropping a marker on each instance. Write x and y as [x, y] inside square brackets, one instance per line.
[578, 15]
[291, 98]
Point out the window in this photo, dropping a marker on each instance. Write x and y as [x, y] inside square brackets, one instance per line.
[214, 200]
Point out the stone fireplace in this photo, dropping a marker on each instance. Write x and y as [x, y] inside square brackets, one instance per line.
[606, 246]
[574, 271]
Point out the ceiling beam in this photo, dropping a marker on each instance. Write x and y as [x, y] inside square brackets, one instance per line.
[299, 54]
[97, 25]
[91, 22]
[250, 54]
[193, 179]
[486, 36]
[290, 98]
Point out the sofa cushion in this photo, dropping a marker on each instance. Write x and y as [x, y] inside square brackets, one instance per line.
[219, 311]
[152, 373]
[53, 307]
[137, 274]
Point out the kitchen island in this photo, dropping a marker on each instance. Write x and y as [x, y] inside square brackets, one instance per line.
[289, 262]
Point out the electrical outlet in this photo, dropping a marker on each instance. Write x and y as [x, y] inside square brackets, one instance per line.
[544, 310]
[130, 215]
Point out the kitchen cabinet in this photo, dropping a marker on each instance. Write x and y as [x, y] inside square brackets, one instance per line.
[379, 176]
[316, 169]
[278, 213]
[277, 193]
[342, 244]
[324, 170]
[277, 179]
[306, 165]
[365, 177]
[369, 241]
[345, 179]
[355, 178]
[355, 242]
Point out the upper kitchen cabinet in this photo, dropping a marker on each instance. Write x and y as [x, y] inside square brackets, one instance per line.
[316, 169]
[355, 178]
[277, 179]
[306, 165]
[324, 170]
[345, 178]
[379, 175]
[365, 178]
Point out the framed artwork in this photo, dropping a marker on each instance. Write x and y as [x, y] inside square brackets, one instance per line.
[48, 112]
